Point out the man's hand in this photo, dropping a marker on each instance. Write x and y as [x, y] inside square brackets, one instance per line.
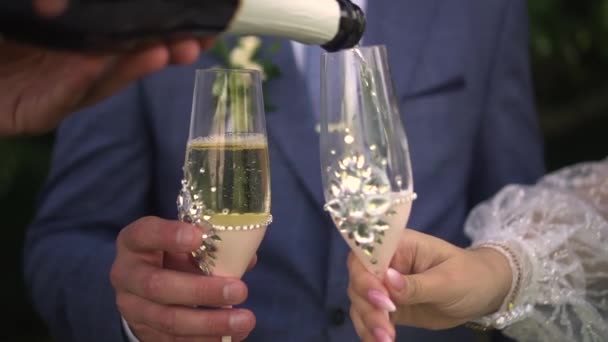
[158, 287]
[40, 87]
[50, 8]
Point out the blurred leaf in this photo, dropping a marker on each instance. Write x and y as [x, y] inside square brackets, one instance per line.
[569, 46]
[583, 39]
[221, 50]
[274, 48]
[542, 45]
[272, 70]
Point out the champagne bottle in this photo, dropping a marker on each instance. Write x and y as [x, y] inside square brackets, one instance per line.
[91, 25]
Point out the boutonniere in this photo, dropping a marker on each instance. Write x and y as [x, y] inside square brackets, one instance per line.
[249, 53]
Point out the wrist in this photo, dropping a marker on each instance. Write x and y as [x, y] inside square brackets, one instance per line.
[514, 307]
[500, 277]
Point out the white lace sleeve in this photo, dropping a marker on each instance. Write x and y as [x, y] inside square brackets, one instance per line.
[556, 237]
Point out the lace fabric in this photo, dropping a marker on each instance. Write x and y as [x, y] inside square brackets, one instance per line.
[558, 232]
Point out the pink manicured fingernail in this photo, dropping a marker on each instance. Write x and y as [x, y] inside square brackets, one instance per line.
[381, 335]
[381, 300]
[395, 279]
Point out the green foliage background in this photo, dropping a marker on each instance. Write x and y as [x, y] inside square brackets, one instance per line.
[569, 48]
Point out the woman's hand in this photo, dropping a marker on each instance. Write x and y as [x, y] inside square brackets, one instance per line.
[432, 284]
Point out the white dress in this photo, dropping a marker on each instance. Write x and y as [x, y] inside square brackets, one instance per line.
[555, 236]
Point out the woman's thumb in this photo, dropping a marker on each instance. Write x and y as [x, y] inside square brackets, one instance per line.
[413, 288]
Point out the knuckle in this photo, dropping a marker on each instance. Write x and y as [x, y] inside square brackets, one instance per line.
[137, 234]
[212, 324]
[122, 304]
[138, 230]
[168, 232]
[115, 276]
[166, 320]
[453, 276]
[413, 291]
[202, 291]
[152, 284]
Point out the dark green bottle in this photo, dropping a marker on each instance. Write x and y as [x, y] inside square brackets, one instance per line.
[91, 25]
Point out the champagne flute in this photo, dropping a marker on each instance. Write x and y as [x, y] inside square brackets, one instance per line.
[226, 185]
[367, 176]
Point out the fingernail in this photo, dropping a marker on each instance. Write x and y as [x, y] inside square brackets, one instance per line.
[238, 321]
[395, 279]
[233, 293]
[185, 236]
[381, 300]
[381, 335]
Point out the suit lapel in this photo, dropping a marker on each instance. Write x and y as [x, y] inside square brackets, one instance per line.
[404, 27]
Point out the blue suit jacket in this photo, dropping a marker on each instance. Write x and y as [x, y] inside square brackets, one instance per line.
[461, 75]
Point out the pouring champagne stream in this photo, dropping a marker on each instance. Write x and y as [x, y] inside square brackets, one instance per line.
[365, 161]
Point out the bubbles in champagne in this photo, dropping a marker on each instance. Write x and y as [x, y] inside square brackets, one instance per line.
[398, 181]
[230, 174]
[231, 139]
[225, 187]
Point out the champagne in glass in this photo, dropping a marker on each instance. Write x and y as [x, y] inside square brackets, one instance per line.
[226, 186]
[239, 197]
[365, 160]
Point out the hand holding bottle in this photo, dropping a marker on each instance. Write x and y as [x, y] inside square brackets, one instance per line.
[40, 87]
